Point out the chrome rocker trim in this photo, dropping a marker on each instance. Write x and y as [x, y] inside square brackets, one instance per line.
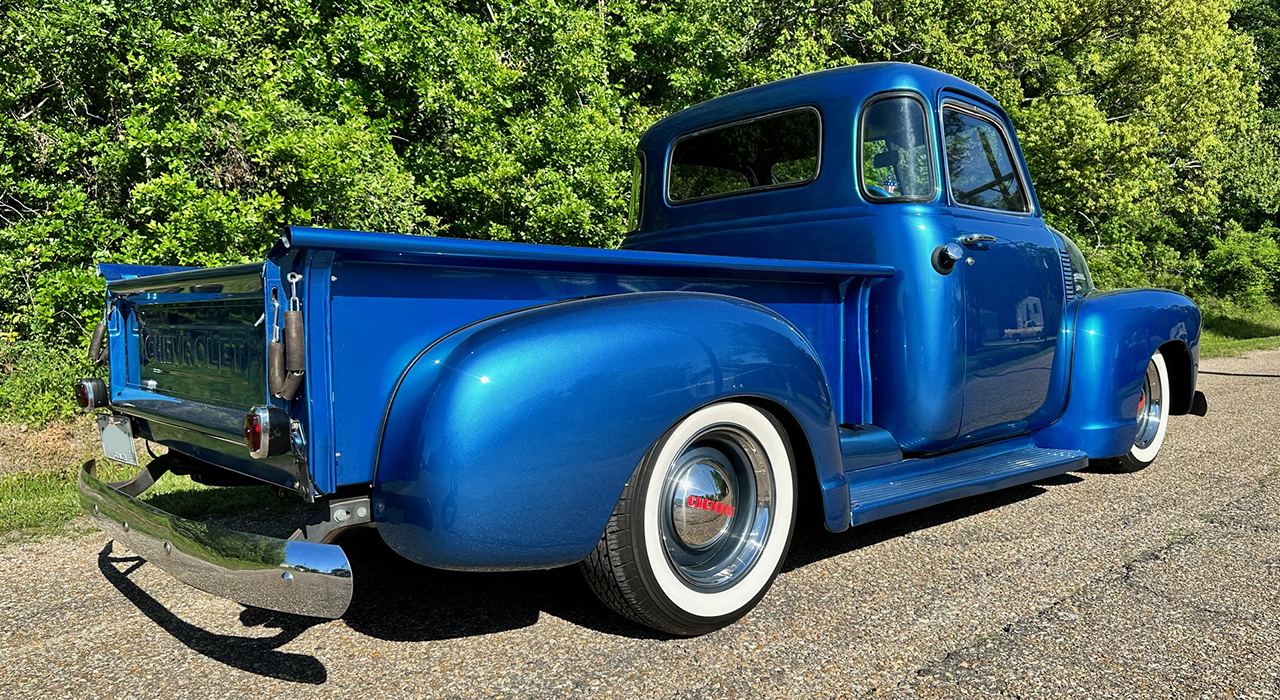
[302, 578]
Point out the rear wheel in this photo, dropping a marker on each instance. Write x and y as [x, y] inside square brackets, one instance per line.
[702, 528]
[1153, 419]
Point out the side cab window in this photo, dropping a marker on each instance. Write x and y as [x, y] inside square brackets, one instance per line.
[634, 210]
[894, 160]
[982, 170]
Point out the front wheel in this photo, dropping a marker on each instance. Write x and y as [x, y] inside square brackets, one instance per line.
[1153, 419]
[703, 526]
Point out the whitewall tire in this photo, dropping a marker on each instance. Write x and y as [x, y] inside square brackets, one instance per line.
[1152, 418]
[704, 525]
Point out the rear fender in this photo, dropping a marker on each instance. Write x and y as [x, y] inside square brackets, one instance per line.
[1114, 336]
[508, 443]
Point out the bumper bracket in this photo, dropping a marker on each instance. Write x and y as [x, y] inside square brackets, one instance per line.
[303, 578]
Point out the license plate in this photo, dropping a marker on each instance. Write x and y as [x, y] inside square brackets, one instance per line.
[117, 439]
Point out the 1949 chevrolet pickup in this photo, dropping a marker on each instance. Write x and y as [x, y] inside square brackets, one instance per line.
[838, 286]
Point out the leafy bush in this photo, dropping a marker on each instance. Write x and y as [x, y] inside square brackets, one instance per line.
[36, 380]
[190, 132]
[1242, 265]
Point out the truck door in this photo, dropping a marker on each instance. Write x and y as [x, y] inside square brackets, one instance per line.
[1013, 286]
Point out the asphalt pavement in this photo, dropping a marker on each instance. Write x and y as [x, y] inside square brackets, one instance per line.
[1160, 584]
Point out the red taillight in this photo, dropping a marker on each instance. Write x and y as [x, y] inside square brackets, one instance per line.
[253, 432]
[267, 432]
[90, 393]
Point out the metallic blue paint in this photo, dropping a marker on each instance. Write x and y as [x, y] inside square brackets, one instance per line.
[939, 344]
[863, 446]
[375, 316]
[917, 340]
[892, 489]
[113, 271]
[206, 364]
[445, 252]
[955, 360]
[1115, 335]
[497, 396]
[558, 405]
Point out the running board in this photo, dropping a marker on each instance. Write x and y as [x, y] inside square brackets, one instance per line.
[891, 489]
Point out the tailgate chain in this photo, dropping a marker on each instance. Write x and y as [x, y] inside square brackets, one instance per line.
[275, 349]
[100, 352]
[294, 351]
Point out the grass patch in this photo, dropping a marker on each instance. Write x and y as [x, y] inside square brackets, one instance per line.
[43, 502]
[1230, 329]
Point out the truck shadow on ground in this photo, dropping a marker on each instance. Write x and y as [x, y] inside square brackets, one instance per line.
[259, 655]
[397, 600]
[812, 543]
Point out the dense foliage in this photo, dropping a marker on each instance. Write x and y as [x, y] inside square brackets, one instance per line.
[190, 131]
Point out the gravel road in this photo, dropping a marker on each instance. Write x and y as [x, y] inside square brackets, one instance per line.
[1161, 584]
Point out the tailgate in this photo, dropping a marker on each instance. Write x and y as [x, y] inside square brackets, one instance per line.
[188, 360]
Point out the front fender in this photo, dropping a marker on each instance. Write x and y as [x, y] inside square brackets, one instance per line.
[507, 444]
[1114, 336]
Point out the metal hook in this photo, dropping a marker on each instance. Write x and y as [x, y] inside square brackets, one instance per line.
[294, 278]
[275, 316]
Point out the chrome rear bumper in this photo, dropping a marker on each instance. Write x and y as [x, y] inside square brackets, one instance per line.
[303, 578]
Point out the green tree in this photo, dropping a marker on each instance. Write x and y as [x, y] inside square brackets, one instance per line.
[190, 132]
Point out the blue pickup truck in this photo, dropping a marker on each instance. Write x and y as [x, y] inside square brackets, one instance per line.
[839, 300]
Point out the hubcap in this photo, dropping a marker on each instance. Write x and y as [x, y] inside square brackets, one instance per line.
[703, 507]
[718, 500]
[1150, 408]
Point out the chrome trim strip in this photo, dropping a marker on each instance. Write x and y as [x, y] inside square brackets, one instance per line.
[217, 422]
[179, 426]
[181, 280]
[302, 578]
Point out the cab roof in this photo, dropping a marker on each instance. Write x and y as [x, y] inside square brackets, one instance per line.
[841, 84]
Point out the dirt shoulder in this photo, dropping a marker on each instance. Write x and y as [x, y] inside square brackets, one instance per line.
[51, 448]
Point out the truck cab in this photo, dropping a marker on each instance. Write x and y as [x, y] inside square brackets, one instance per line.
[886, 164]
[838, 285]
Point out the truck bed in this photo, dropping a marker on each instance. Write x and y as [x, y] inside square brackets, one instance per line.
[189, 361]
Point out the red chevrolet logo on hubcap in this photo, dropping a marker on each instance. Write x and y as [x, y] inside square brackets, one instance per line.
[709, 505]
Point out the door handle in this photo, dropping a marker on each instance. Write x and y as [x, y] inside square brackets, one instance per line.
[945, 257]
[977, 240]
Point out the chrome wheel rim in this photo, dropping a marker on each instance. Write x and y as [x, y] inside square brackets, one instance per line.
[717, 501]
[1150, 408]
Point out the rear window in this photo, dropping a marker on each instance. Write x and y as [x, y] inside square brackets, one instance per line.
[778, 150]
